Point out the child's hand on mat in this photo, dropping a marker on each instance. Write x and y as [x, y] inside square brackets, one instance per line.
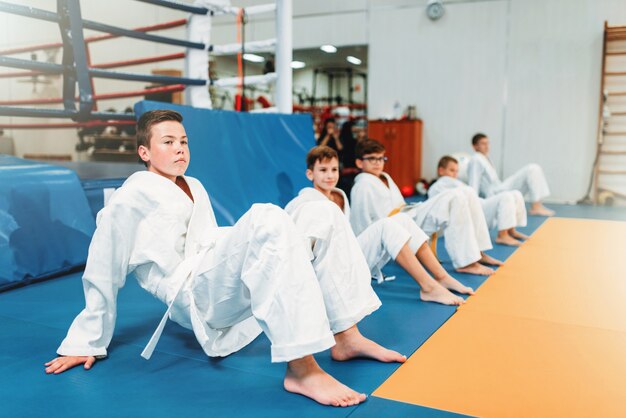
[61, 364]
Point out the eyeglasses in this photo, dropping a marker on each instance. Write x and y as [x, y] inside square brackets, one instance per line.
[375, 159]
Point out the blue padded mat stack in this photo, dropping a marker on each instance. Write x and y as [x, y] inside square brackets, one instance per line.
[244, 158]
[45, 221]
[97, 176]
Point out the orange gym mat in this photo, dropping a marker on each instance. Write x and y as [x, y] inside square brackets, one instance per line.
[543, 337]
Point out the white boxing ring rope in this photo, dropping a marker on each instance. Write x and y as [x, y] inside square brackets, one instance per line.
[197, 61]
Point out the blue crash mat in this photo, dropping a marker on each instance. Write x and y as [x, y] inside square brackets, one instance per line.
[45, 221]
[244, 158]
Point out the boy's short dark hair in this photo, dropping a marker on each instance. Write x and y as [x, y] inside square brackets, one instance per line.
[320, 153]
[477, 138]
[445, 160]
[151, 118]
[368, 146]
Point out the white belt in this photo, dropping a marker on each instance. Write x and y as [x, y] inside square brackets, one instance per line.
[190, 266]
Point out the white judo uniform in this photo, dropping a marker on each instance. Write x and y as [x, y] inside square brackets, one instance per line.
[482, 177]
[461, 218]
[379, 243]
[503, 211]
[226, 284]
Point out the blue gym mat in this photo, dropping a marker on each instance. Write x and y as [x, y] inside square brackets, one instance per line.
[179, 379]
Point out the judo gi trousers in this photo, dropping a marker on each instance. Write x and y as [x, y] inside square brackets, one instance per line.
[530, 181]
[383, 240]
[455, 214]
[505, 210]
[261, 267]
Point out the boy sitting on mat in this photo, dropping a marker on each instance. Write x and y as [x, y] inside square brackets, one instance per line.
[530, 180]
[505, 210]
[375, 196]
[226, 284]
[396, 237]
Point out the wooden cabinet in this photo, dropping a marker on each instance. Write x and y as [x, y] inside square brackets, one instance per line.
[403, 142]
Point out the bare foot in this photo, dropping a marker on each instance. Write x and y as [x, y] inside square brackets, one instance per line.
[351, 344]
[506, 239]
[518, 235]
[305, 377]
[487, 259]
[451, 283]
[441, 295]
[476, 268]
[540, 210]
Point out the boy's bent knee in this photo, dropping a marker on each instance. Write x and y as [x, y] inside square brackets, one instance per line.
[267, 209]
[508, 199]
[268, 216]
[458, 197]
[325, 210]
[517, 195]
[534, 168]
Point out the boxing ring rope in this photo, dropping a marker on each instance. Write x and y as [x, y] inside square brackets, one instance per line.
[88, 41]
[253, 46]
[76, 67]
[91, 39]
[89, 124]
[140, 61]
[19, 74]
[153, 90]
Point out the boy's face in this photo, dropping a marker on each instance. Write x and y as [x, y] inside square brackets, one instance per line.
[325, 174]
[482, 146]
[451, 170]
[372, 163]
[168, 154]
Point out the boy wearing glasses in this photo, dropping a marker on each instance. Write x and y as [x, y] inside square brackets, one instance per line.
[397, 237]
[375, 196]
[529, 180]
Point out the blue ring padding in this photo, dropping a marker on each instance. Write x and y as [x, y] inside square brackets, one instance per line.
[45, 221]
[244, 158]
[96, 176]
[94, 192]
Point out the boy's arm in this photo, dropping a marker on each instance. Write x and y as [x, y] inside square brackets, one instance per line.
[363, 211]
[105, 272]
